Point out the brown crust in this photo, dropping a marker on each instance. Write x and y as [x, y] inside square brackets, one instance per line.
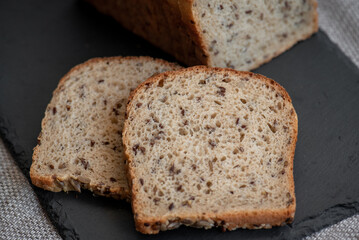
[57, 184]
[189, 19]
[167, 25]
[181, 35]
[229, 220]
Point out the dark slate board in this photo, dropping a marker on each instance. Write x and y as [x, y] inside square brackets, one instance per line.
[41, 40]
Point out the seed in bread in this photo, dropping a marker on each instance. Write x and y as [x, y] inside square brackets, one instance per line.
[80, 143]
[210, 147]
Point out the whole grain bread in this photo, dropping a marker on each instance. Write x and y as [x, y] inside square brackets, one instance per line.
[210, 147]
[80, 144]
[238, 34]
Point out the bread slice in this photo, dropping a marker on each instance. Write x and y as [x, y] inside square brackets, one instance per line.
[80, 143]
[210, 147]
[238, 34]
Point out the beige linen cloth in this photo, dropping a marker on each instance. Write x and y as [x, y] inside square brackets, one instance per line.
[21, 216]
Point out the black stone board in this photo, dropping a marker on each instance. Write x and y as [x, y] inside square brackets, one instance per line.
[41, 40]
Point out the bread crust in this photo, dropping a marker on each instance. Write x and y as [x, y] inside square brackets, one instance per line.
[174, 28]
[55, 183]
[168, 25]
[252, 219]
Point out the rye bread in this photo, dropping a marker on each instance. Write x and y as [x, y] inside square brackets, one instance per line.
[80, 143]
[238, 34]
[210, 147]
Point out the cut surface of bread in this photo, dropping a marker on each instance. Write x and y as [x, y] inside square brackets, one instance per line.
[210, 147]
[244, 34]
[238, 34]
[80, 144]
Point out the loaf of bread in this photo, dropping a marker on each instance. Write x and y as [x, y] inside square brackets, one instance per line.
[237, 34]
[210, 147]
[80, 144]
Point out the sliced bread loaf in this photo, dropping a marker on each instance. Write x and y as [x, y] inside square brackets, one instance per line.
[80, 143]
[238, 34]
[210, 147]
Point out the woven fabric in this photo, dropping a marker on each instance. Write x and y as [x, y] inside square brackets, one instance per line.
[347, 229]
[340, 21]
[21, 216]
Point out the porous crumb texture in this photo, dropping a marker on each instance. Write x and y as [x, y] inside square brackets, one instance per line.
[239, 34]
[243, 34]
[80, 145]
[210, 147]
